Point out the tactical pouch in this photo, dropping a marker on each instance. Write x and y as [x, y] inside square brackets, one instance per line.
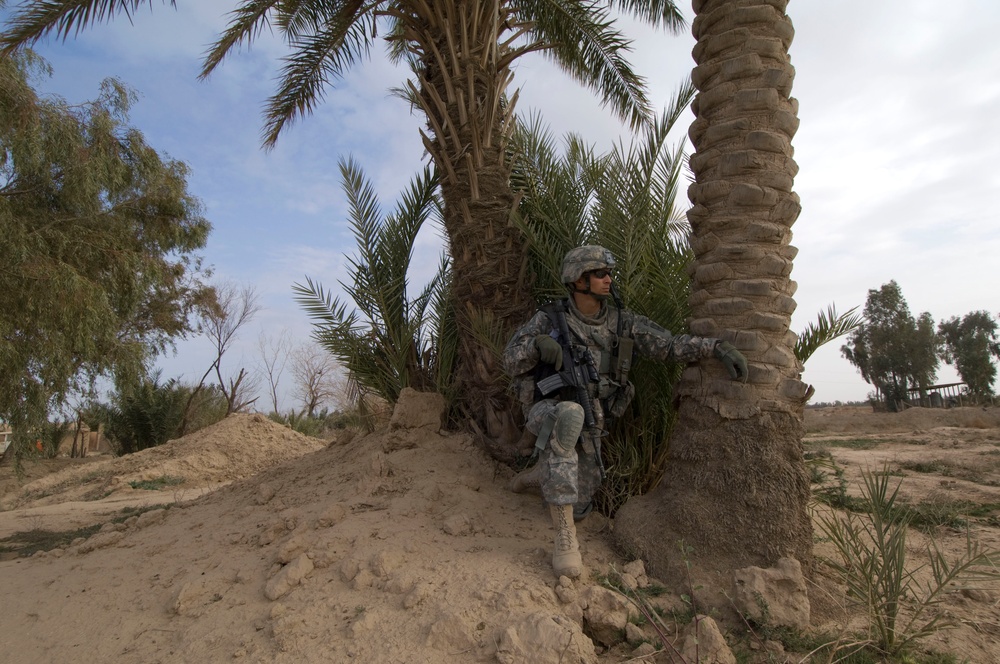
[622, 360]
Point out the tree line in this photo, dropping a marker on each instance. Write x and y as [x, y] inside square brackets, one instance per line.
[897, 352]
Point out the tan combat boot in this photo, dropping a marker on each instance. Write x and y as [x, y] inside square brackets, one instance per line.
[566, 559]
[530, 478]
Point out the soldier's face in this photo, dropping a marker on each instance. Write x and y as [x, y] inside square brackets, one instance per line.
[599, 286]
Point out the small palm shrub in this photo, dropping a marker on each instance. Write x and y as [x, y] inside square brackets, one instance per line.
[50, 437]
[872, 562]
[388, 339]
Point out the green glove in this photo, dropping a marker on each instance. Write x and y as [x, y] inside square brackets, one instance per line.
[733, 360]
[549, 350]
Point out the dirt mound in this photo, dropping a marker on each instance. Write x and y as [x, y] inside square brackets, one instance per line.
[239, 446]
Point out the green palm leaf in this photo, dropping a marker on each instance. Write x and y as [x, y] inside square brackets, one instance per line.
[64, 17]
[318, 58]
[581, 38]
[827, 327]
[386, 339]
[248, 20]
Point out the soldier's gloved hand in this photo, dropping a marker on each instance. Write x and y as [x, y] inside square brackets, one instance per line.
[549, 350]
[733, 360]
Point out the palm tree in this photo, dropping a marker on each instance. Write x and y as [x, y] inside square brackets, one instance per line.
[735, 490]
[461, 53]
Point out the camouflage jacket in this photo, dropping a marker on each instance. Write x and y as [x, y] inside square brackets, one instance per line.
[520, 356]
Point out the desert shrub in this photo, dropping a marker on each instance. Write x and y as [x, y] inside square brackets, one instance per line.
[323, 423]
[28, 542]
[853, 443]
[940, 511]
[156, 483]
[922, 466]
[980, 473]
[831, 489]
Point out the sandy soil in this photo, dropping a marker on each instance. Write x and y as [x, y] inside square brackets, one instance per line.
[399, 546]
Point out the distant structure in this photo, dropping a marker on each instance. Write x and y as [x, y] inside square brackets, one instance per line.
[948, 395]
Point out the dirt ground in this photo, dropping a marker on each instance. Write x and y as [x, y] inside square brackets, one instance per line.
[248, 542]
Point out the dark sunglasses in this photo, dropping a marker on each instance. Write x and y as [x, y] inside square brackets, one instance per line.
[600, 274]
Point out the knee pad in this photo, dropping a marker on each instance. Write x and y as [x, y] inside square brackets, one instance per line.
[568, 425]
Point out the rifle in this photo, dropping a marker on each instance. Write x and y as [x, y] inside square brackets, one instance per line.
[579, 369]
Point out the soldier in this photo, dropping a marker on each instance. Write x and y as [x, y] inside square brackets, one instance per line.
[567, 415]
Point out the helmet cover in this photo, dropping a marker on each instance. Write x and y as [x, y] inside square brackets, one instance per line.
[585, 259]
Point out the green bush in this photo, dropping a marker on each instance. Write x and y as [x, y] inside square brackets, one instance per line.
[151, 413]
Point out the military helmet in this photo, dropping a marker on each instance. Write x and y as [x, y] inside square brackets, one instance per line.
[585, 259]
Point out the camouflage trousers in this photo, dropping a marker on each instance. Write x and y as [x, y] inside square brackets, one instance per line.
[570, 472]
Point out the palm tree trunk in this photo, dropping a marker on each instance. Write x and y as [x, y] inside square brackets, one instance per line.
[461, 89]
[735, 490]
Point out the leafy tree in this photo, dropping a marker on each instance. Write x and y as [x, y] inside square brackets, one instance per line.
[99, 270]
[971, 344]
[461, 55]
[893, 350]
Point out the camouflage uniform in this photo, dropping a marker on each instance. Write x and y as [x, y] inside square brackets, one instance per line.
[571, 473]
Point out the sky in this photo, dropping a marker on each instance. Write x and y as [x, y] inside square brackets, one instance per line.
[897, 150]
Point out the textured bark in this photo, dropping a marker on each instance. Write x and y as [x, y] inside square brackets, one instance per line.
[461, 86]
[735, 487]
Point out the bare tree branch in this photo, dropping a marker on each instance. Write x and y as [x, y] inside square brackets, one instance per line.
[235, 307]
[274, 351]
[318, 380]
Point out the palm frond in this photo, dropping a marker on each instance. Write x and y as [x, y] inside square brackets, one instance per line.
[658, 13]
[583, 40]
[827, 327]
[319, 57]
[64, 18]
[399, 48]
[556, 194]
[247, 22]
[442, 324]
